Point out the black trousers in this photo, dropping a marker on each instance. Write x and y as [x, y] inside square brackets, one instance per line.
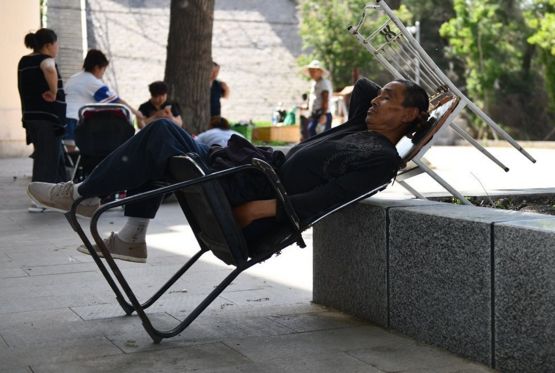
[48, 154]
[139, 162]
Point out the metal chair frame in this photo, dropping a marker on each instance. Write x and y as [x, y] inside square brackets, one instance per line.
[397, 50]
[93, 108]
[130, 302]
[199, 176]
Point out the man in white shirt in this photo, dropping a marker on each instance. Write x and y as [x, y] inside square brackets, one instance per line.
[87, 87]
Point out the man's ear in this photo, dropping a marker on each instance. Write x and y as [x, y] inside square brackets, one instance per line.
[410, 114]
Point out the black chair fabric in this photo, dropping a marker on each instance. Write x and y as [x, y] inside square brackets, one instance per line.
[101, 130]
[208, 212]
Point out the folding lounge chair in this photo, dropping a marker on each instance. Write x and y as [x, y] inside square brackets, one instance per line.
[397, 50]
[101, 129]
[210, 217]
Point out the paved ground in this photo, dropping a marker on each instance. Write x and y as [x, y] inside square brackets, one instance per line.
[58, 315]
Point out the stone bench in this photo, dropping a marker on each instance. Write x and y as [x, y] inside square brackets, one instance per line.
[478, 282]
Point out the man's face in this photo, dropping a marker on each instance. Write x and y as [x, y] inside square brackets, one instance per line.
[315, 74]
[387, 112]
[158, 100]
[214, 73]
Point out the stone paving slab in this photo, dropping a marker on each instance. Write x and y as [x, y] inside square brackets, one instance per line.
[57, 353]
[183, 359]
[57, 313]
[37, 318]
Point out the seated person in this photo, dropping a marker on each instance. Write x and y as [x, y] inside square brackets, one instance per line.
[87, 87]
[158, 106]
[323, 172]
[218, 133]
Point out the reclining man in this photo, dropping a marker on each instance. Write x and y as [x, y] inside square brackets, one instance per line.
[322, 172]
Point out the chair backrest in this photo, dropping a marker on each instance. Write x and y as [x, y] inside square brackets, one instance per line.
[442, 107]
[208, 211]
[102, 128]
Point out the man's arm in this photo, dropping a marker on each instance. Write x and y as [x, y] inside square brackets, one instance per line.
[175, 113]
[363, 93]
[317, 201]
[325, 105]
[167, 114]
[135, 112]
[177, 120]
[250, 211]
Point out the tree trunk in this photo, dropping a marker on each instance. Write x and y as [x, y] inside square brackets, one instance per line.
[189, 60]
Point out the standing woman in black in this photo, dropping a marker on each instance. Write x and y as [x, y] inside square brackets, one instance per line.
[43, 105]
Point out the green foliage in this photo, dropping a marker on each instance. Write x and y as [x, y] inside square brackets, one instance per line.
[501, 53]
[540, 17]
[495, 40]
[432, 14]
[324, 33]
[489, 42]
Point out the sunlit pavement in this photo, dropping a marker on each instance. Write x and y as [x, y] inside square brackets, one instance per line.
[58, 315]
[471, 173]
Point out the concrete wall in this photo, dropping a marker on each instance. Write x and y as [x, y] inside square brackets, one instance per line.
[476, 281]
[17, 18]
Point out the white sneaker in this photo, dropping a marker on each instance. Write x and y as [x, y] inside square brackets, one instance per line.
[59, 197]
[36, 208]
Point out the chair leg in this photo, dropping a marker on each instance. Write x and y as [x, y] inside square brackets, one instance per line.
[157, 335]
[72, 219]
[127, 307]
[411, 190]
[442, 182]
[462, 133]
[76, 168]
[134, 305]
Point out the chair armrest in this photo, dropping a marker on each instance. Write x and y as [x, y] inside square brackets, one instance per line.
[281, 193]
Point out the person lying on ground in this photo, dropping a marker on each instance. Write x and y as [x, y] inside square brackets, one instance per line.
[219, 132]
[324, 171]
